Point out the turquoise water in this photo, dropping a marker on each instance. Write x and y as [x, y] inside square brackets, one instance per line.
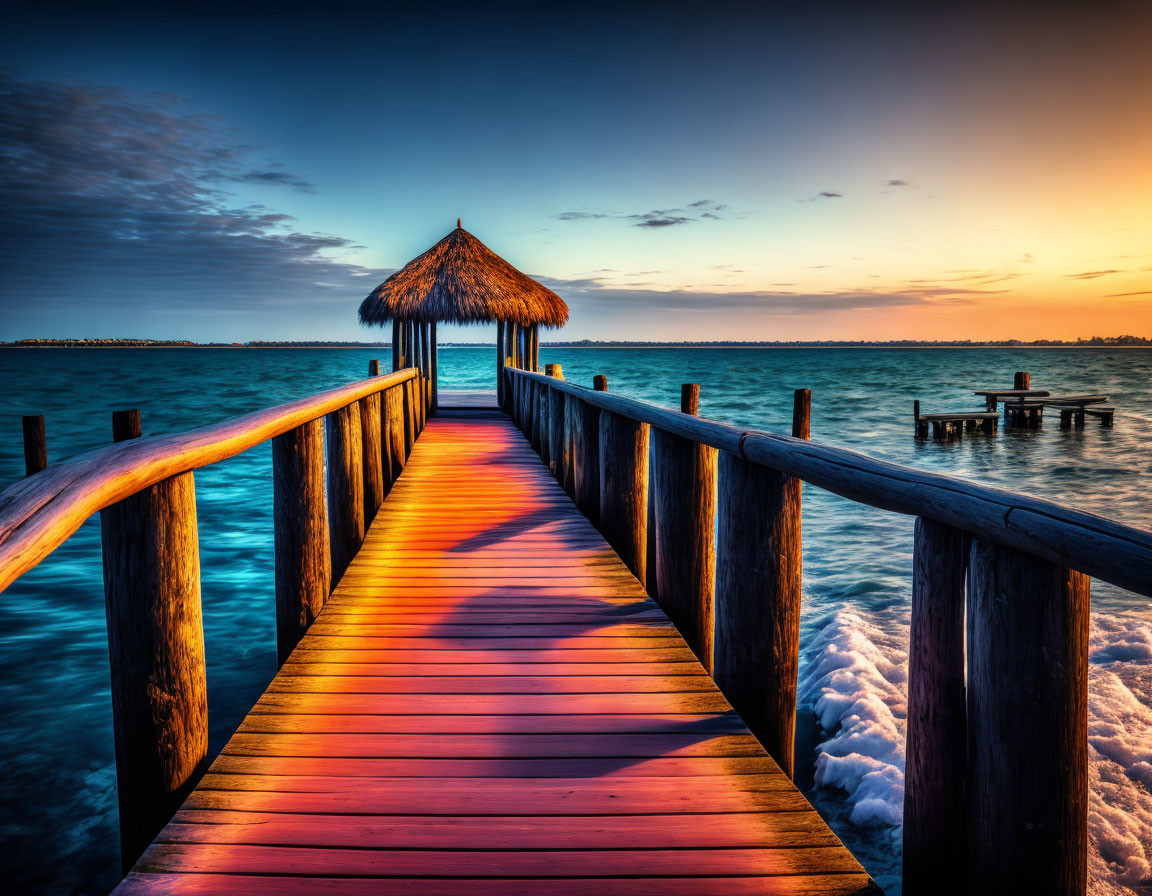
[58, 809]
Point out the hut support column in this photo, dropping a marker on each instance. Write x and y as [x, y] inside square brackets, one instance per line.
[395, 344]
[435, 374]
[500, 363]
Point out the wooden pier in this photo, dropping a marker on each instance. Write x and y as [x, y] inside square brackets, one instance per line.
[563, 659]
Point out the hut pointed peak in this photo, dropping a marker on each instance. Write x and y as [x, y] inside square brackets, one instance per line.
[461, 280]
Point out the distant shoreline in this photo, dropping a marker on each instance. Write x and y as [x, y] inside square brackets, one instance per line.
[1096, 342]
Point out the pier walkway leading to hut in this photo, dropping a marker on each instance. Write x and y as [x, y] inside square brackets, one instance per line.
[489, 703]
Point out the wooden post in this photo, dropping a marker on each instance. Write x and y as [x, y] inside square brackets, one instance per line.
[396, 361]
[345, 486]
[935, 788]
[1027, 723]
[624, 488]
[156, 649]
[35, 445]
[1022, 380]
[758, 579]
[536, 348]
[410, 432]
[540, 425]
[684, 500]
[393, 450]
[559, 454]
[426, 350]
[568, 482]
[600, 383]
[373, 368]
[372, 451]
[500, 355]
[300, 515]
[435, 400]
[586, 458]
[418, 383]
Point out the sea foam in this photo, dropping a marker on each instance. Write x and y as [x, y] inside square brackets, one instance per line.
[854, 679]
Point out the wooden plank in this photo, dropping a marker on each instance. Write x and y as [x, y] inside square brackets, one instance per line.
[138, 884]
[489, 701]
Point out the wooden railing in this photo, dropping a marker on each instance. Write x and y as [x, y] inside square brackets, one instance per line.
[997, 770]
[145, 492]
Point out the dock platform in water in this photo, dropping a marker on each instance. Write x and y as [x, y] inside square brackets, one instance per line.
[490, 703]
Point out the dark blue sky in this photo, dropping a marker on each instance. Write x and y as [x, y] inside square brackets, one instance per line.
[811, 170]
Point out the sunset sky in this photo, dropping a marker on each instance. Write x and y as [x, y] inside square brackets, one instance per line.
[703, 171]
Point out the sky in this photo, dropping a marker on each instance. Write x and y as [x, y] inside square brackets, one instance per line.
[700, 171]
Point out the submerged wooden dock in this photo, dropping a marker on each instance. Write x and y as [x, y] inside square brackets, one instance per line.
[490, 695]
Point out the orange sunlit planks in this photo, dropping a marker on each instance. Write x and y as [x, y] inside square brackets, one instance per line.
[490, 700]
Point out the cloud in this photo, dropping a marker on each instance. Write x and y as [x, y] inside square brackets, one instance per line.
[578, 216]
[275, 178]
[826, 194]
[1090, 275]
[122, 201]
[700, 210]
[896, 183]
[593, 295]
[1121, 295]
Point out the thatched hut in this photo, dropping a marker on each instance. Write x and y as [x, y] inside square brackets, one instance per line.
[462, 281]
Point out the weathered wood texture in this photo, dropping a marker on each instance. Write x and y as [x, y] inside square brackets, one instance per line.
[396, 349]
[38, 513]
[1027, 723]
[35, 444]
[156, 653]
[559, 450]
[624, 488]
[393, 450]
[476, 741]
[1099, 547]
[345, 486]
[371, 450]
[300, 515]
[684, 510]
[758, 572]
[501, 354]
[936, 770]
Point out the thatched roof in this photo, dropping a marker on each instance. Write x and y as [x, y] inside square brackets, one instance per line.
[462, 281]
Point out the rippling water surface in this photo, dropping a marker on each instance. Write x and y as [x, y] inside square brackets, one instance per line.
[58, 802]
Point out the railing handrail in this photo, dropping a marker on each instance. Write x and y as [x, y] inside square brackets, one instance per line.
[1092, 544]
[39, 513]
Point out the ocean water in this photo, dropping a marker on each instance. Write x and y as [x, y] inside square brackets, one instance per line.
[58, 801]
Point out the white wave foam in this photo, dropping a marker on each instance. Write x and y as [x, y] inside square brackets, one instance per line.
[854, 679]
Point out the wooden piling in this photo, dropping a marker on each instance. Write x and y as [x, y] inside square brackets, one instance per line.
[624, 488]
[393, 449]
[540, 424]
[586, 458]
[1022, 380]
[156, 650]
[300, 516]
[684, 502]
[434, 402]
[373, 368]
[426, 366]
[372, 454]
[568, 481]
[559, 453]
[501, 354]
[936, 769]
[408, 398]
[1027, 723]
[396, 352]
[600, 383]
[35, 444]
[345, 486]
[758, 581]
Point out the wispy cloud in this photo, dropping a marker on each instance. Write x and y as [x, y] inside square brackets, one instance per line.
[126, 200]
[897, 183]
[1091, 275]
[593, 294]
[700, 210]
[824, 194]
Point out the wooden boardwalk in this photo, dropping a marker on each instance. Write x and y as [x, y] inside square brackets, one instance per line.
[489, 703]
